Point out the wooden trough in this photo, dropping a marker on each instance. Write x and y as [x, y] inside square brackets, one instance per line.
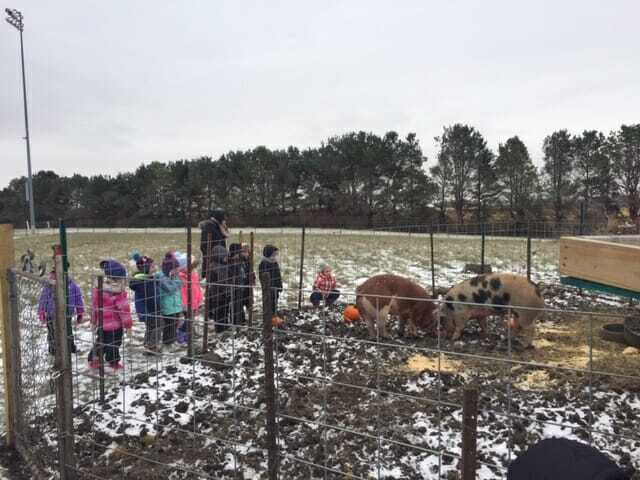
[609, 264]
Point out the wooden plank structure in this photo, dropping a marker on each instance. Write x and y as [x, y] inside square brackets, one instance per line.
[608, 264]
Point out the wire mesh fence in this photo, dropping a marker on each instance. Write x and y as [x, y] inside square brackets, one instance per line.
[343, 404]
[34, 385]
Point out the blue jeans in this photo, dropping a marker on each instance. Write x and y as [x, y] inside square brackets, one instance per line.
[316, 298]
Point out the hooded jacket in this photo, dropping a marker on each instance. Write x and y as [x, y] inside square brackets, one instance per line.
[270, 265]
[145, 294]
[218, 233]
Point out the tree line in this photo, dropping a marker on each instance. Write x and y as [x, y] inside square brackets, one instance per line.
[358, 179]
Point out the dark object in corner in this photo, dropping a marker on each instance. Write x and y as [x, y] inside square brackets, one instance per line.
[562, 459]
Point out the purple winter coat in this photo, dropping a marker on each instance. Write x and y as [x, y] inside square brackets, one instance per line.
[47, 302]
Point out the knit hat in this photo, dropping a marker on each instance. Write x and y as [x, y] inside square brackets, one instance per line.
[322, 266]
[113, 269]
[169, 263]
[182, 260]
[218, 214]
[235, 249]
[269, 250]
[143, 263]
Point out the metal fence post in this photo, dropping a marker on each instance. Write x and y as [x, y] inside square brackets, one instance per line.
[100, 347]
[64, 390]
[528, 252]
[469, 432]
[189, 318]
[301, 269]
[251, 275]
[482, 241]
[207, 293]
[7, 256]
[433, 267]
[269, 381]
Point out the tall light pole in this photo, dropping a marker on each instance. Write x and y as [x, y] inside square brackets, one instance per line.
[14, 18]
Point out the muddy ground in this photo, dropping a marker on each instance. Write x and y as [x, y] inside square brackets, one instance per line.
[353, 409]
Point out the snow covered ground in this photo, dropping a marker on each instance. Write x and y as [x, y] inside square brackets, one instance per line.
[205, 418]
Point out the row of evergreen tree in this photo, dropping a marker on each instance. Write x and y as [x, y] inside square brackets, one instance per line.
[358, 179]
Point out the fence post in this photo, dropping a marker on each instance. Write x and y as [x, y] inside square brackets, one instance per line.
[100, 350]
[207, 294]
[64, 390]
[16, 356]
[482, 240]
[269, 382]
[189, 318]
[7, 256]
[528, 252]
[301, 269]
[469, 432]
[251, 273]
[433, 267]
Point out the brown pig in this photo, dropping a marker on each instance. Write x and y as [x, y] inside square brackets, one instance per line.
[386, 294]
[503, 293]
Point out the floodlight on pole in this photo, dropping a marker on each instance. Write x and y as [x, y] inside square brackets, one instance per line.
[14, 18]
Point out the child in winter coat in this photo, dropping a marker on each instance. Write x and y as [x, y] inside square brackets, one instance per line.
[269, 264]
[47, 309]
[197, 296]
[324, 287]
[147, 300]
[116, 314]
[170, 287]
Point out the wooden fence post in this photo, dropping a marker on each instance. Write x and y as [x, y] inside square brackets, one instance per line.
[64, 375]
[269, 380]
[469, 432]
[7, 261]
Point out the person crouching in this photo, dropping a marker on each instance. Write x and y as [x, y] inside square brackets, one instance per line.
[324, 287]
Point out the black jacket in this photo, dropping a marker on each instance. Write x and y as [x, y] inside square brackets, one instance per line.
[273, 269]
[562, 459]
[219, 277]
[213, 229]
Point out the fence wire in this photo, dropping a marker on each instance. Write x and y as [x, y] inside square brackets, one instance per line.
[347, 405]
[36, 433]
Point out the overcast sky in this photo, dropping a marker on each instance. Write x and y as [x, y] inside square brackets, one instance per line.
[115, 84]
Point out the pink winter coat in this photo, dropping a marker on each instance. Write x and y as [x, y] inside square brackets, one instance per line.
[197, 297]
[117, 312]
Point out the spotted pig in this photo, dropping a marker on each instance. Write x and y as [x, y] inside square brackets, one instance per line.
[386, 294]
[503, 293]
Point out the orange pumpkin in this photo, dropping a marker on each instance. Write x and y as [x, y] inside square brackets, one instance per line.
[351, 314]
[277, 321]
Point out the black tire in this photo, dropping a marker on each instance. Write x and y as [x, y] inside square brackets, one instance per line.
[613, 332]
[632, 331]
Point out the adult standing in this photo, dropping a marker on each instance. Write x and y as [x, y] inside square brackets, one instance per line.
[213, 233]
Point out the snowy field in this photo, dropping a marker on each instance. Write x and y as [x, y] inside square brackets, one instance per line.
[205, 418]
